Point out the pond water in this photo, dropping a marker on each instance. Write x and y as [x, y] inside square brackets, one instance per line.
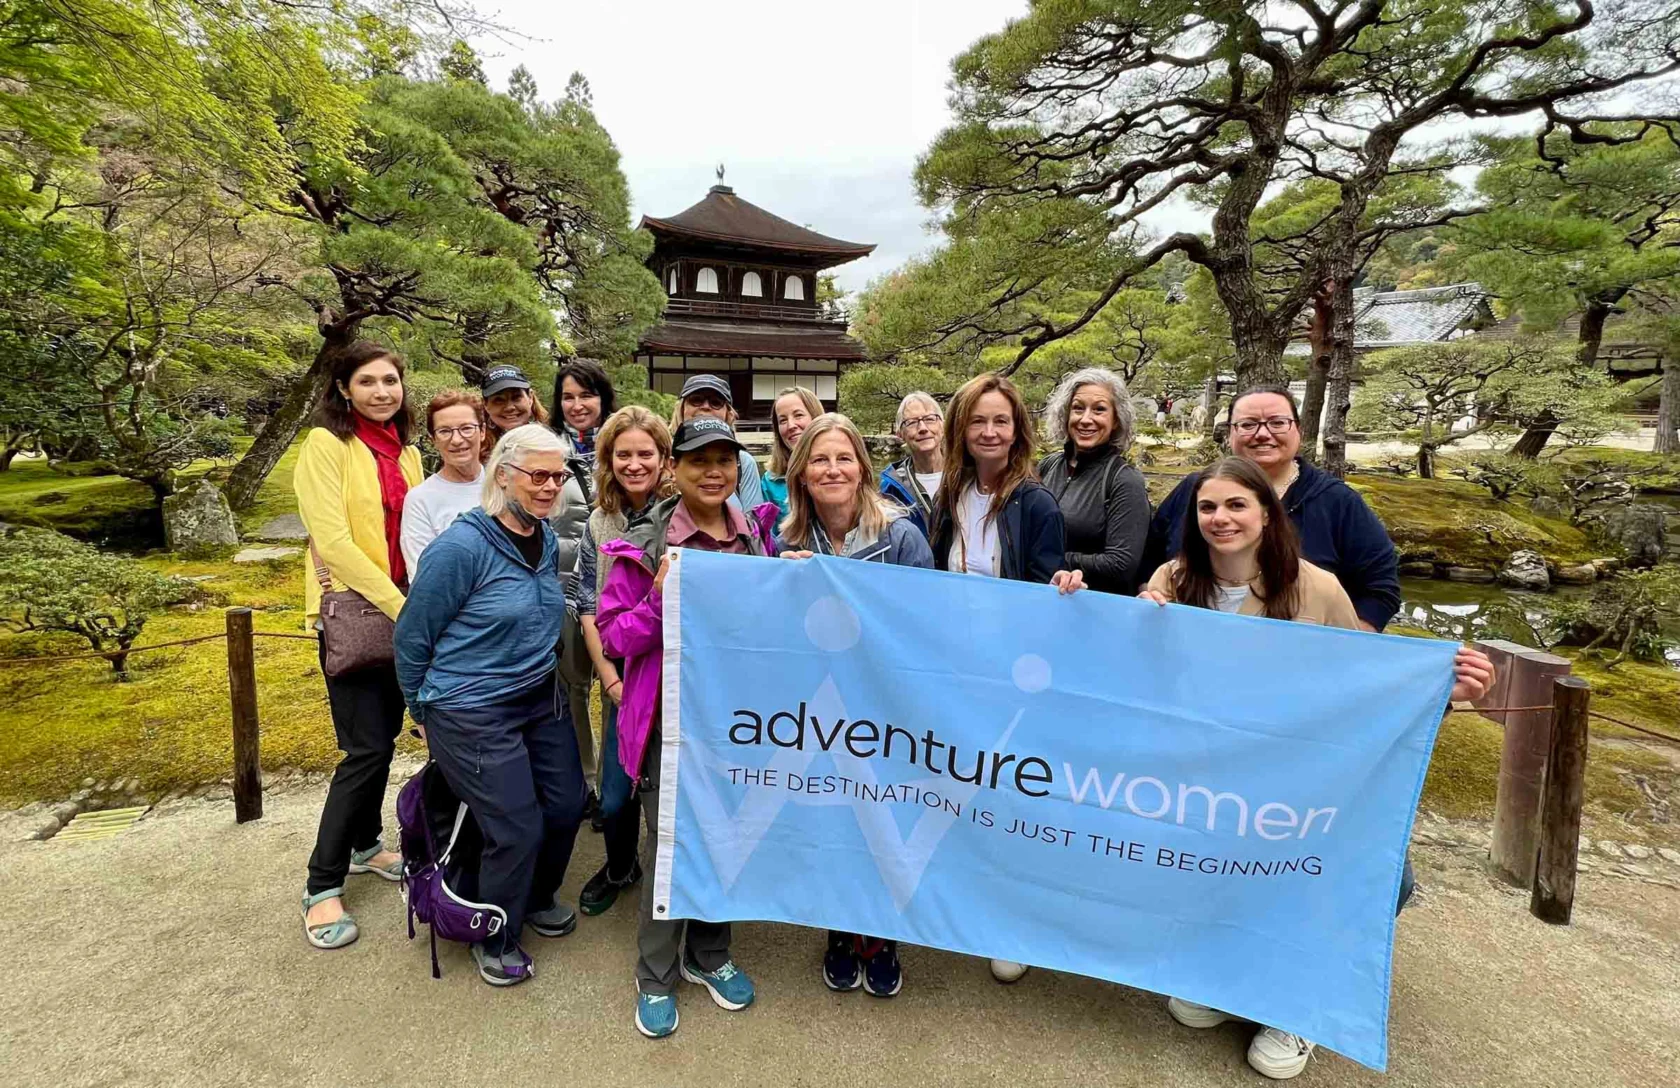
[1463, 611]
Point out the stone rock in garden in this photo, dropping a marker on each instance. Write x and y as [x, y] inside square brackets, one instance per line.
[87, 783]
[65, 811]
[198, 519]
[1606, 566]
[1526, 570]
[1469, 574]
[261, 555]
[1641, 529]
[1580, 574]
[1637, 852]
[284, 527]
[1609, 849]
[1418, 568]
[1668, 855]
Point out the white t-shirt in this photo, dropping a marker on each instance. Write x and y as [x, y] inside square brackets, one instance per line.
[975, 549]
[930, 482]
[431, 508]
[1230, 598]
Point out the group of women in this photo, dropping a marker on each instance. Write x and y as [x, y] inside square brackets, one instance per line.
[530, 539]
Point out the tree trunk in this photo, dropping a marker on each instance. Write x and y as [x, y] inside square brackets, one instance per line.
[1540, 431]
[1210, 404]
[282, 427]
[1318, 373]
[6, 457]
[1339, 380]
[1668, 409]
[1426, 462]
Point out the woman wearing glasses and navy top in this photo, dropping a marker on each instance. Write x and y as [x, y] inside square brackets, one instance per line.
[1105, 506]
[1337, 531]
[1239, 554]
[913, 481]
[475, 657]
[835, 509]
[630, 620]
[353, 477]
[993, 518]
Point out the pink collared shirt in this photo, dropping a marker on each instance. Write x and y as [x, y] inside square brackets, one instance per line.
[681, 532]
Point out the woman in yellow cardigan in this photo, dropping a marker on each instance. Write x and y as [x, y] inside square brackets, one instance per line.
[352, 476]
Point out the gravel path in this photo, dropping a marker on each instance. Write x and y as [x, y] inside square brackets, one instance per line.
[171, 955]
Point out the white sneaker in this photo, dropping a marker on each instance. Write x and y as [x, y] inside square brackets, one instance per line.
[1278, 1054]
[1008, 970]
[1192, 1015]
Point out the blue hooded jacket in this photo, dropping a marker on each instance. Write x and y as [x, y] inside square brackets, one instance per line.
[896, 485]
[479, 625]
[1337, 531]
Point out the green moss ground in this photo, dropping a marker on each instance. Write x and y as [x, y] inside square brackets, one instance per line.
[1454, 522]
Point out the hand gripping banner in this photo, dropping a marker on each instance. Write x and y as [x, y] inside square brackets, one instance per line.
[1210, 806]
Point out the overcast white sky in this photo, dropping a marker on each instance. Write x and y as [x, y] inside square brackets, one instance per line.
[817, 111]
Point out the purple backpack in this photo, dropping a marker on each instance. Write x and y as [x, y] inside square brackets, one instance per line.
[438, 884]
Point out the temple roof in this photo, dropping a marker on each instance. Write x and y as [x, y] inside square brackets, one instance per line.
[725, 218]
[792, 340]
[1386, 319]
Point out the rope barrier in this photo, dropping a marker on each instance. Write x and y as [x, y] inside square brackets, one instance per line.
[1593, 713]
[106, 655]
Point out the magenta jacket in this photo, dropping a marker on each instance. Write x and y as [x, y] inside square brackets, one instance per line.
[630, 619]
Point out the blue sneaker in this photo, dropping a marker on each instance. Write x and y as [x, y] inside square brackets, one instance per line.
[656, 1014]
[882, 976]
[840, 970]
[728, 985]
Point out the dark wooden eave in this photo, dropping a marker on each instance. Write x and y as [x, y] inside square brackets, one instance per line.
[803, 340]
[725, 219]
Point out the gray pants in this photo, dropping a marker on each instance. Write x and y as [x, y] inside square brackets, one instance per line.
[660, 942]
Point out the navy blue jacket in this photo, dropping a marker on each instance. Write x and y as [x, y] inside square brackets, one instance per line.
[1337, 531]
[896, 485]
[1030, 535]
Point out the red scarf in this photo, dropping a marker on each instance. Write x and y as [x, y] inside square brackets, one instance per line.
[387, 448]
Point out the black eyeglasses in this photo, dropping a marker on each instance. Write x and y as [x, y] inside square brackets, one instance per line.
[466, 430]
[1277, 425]
[542, 477]
[921, 421]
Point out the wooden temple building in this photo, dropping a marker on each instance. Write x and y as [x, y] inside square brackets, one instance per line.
[742, 286]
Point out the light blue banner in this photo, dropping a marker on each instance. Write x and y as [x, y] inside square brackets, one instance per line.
[1198, 804]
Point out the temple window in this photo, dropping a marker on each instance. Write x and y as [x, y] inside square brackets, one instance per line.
[706, 283]
[794, 288]
[751, 286]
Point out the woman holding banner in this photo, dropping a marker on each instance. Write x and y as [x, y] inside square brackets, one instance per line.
[992, 517]
[631, 625]
[1240, 554]
[632, 471]
[835, 509]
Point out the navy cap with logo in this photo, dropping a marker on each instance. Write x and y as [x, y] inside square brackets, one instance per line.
[504, 377]
[707, 383]
[694, 434]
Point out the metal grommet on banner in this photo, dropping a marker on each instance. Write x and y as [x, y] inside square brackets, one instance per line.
[659, 910]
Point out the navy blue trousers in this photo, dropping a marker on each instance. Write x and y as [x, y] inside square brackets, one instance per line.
[515, 764]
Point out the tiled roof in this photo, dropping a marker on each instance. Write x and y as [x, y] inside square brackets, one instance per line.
[724, 217]
[1386, 319]
[805, 340]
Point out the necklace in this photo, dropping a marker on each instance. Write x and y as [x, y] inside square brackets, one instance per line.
[1289, 480]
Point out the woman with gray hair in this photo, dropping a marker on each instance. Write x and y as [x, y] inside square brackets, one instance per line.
[475, 659]
[1105, 505]
[913, 482]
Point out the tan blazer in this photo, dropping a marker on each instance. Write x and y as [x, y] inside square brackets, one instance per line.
[1320, 598]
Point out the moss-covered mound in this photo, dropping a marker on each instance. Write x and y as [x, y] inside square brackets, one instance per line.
[1459, 524]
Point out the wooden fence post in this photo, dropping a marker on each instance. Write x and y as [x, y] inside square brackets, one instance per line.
[242, 688]
[1560, 812]
[1525, 680]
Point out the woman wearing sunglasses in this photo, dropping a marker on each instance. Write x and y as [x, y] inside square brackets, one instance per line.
[475, 658]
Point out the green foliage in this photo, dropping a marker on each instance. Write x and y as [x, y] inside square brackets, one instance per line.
[871, 392]
[1630, 611]
[49, 582]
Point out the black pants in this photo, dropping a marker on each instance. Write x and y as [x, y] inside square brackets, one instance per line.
[367, 713]
[515, 764]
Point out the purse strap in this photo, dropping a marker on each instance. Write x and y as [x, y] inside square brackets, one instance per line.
[322, 574]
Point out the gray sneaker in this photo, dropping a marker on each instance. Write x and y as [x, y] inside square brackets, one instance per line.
[555, 921]
[510, 968]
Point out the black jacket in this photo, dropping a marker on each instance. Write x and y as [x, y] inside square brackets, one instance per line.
[1030, 534]
[1337, 531]
[1105, 508]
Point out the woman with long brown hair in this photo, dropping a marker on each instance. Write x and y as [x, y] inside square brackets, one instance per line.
[1239, 554]
[353, 478]
[992, 517]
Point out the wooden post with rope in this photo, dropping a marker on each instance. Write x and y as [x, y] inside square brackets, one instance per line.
[1524, 682]
[1560, 808]
[242, 689]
